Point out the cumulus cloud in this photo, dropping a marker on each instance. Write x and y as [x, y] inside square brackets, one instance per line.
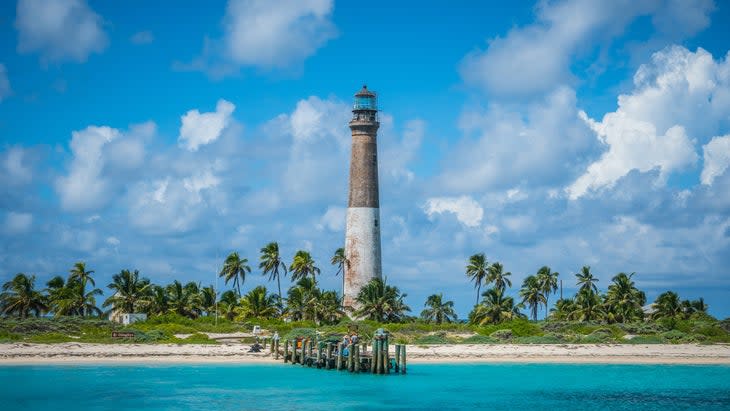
[333, 219]
[17, 223]
[276, 34]
[15, 167]
[534, 58]
[548, 135]
[200, 129]
[5, 89]
[142, 37]
[716, 158]
[656, 126]
[466, 210]
[85, 188]
[59, 29]
[266, 35]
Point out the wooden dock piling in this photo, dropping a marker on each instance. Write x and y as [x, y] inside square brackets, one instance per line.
[340, 356]
[403, 359]
[286, 351]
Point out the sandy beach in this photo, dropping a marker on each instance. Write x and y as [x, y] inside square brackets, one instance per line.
[79, 353]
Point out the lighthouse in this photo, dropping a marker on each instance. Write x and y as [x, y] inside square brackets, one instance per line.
[362, 232]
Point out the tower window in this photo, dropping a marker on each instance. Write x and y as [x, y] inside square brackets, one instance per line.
[376, 222]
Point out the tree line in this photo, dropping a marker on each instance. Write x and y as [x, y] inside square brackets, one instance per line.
[75, 295]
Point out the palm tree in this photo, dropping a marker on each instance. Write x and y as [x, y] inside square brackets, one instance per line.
[257, 303]
[532, 295]
[79, 272]
[339, 260]
[208, 299]
[329, 307]
[496, 275]
[548, 282]
[159, 301]
[183, 300]
[20, 297]
[227, 304]
[588, 306]
[303, 265]
[381, 302]
[694, 306]
[130, 292]
[301, 300]
[270, 262]
[477, 271]
[438, 311]
[586, 280]
[563, 309]
[624, 301]
[667, 305]
[234, 268]
[495, 308]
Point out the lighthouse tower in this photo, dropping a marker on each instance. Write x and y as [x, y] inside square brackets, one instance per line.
[362, 234]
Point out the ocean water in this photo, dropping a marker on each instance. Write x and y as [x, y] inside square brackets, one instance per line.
[425, 387]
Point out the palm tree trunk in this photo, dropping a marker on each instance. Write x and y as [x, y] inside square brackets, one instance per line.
[479, 287]
[547, 300]
[278, 284]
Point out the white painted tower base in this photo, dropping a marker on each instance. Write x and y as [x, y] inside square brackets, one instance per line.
[362, 251]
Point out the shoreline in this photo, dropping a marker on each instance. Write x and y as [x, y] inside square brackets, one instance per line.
[152, 354]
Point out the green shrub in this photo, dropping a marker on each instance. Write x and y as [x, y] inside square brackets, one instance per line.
[501, 335]
[300, 333]
[674, 336]
[49, 338]
[433, 339]
[199, 338]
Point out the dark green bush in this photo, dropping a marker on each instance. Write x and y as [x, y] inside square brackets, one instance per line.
[501, 335]
[479, 339]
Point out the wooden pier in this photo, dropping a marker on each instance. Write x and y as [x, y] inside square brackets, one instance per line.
[356, 358]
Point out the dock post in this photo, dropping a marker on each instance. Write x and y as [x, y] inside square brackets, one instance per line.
[387, 356]
[397, 358]
[294, 350]
[302, 358]
[329, 355]
[276, 349]
[319, 355]
[374, 361]
[340, 356]
[403, 359]
[356, 358]
[286, 351]
[310, 345]
[349, 364]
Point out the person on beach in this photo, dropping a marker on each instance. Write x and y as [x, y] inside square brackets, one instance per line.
[345, 344]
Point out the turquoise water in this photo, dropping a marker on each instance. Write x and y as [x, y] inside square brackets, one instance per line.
[425, 387]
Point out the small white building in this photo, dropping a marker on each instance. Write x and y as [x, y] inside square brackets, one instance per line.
[129, 318]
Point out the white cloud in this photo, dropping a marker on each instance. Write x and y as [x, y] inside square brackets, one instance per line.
[397, 154]
[5, 89]
[85, 188]
[200, 129]
[276, 33]
[333, 219]
[467, 211]
[717, 158]
[17, 223]
[142, 37]
[113, 241]
[536, 58]
[678, 99]
[318, 154]
[13, 163]
[59, 29]
[548, 135]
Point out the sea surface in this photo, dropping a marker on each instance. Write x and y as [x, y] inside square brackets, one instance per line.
[425, 387]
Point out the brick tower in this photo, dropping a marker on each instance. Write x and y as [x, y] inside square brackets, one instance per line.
[362, 233]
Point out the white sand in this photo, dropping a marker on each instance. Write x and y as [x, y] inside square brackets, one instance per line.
[76, 353]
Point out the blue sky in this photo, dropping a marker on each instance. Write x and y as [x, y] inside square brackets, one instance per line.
[560, 133]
